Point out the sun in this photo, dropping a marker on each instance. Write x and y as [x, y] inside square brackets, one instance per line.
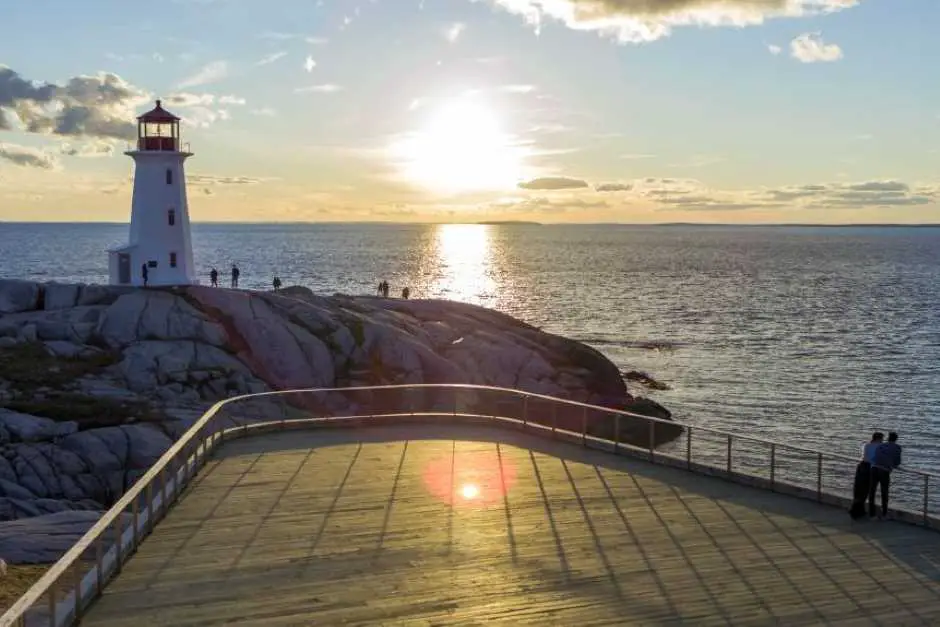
[461, 148]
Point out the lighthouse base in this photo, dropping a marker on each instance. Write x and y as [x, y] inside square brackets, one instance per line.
[126, 266]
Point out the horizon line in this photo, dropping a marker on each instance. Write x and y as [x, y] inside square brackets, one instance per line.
[511, 223]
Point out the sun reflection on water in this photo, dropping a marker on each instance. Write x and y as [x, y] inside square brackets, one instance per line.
[464, 262]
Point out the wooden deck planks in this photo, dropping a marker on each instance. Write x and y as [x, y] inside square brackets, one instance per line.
[306, 528]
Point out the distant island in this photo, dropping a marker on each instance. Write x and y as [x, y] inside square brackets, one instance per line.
[510, 222]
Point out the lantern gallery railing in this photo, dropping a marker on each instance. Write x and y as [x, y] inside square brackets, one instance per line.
[61, 596]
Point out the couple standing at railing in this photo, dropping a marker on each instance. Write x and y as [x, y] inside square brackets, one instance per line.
[879, 458]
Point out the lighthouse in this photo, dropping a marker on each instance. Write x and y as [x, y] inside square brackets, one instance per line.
[159, 245]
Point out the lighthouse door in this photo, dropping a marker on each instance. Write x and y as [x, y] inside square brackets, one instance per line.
[124, 268]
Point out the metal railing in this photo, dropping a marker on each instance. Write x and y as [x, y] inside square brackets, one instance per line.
[70, 585]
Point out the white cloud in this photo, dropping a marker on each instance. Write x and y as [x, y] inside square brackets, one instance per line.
[271, 58]
[309, 63]
[810, 48]
[264, 111]
[231, 100]
[774, 49]
[209, 73]
[27, 157]
[327, 88]
[316, 41]
[647, 20]
[90, 149]
[452, 33]
[93, 106]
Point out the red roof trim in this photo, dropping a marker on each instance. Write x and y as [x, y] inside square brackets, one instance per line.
[158, 114]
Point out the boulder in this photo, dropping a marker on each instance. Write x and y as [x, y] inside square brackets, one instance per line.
[17, 295]
[60, 295]
[45, 538]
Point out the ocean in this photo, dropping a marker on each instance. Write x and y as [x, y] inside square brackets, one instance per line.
[815, 336]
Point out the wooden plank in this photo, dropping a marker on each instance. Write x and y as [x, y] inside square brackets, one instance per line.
[474, 525]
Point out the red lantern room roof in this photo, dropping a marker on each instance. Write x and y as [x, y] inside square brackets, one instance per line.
[158, 114]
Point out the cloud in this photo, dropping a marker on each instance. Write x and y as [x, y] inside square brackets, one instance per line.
[327, 88]
[316, 41]
[264, 111]
[210, 179]
[452, 33]
[189, 100]
[613, 187]
[271, 58]
[553, 183]
[678, 194]
[548, 206]
[774, 49]
[88, 149]
[309, 63]
[95, 106]
[648, 20]
[203, 110]
[27, 157]
[810, 48]
[209, 73]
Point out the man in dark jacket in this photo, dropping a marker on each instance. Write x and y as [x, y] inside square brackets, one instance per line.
[887, 458]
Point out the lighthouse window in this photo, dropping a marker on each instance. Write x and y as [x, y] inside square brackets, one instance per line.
[172, 260]
[171, 216]
[169, 177]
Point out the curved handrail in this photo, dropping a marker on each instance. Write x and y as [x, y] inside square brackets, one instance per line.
[111, 517]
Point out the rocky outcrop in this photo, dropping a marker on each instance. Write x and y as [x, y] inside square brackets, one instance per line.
[97, 381]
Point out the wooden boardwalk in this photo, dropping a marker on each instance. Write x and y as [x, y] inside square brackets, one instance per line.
[466, 525]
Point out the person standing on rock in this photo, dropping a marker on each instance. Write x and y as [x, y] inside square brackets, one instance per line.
[144, 273]
[406, 292]
[214, 277]
[235, 274]
[276, 283]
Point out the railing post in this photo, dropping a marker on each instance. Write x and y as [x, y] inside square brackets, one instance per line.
[99, 564]
[616, 433]
[554, 417]
[819, 470]
[688, 448]
[118, 544]
[77, 574]
[926, 500]
[728, 460]
[584, 425]
[652, 442]
[773, 464]
[51, 593]
[136, 514]
[150, 507]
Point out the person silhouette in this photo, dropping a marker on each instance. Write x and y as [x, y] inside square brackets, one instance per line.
[214, 277]
[144, 273]
[235, 274]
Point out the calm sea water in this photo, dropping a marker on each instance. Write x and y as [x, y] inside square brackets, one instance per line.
[809, 335]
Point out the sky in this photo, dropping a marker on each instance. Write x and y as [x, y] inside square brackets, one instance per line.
[635, 111]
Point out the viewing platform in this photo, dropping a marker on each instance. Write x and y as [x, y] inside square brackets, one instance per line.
[463, 520]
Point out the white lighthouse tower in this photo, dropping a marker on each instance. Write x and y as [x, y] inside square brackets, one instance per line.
[160, 237]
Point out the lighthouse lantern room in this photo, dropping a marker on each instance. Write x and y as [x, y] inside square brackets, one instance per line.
[159, 249]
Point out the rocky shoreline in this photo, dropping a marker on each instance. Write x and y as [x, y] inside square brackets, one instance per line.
[97, 381]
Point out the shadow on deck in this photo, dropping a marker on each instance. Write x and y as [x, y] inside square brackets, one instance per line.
[433, 525]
